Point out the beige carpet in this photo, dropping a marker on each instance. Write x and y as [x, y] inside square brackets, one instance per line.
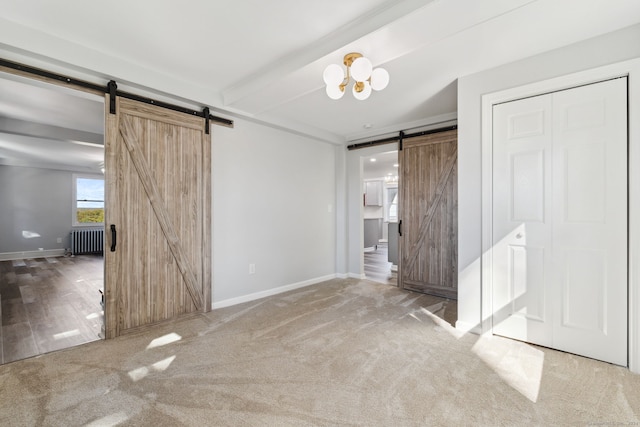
[344, 352]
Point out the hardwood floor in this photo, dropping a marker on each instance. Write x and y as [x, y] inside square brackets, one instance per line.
[378, 269]
[47, 304]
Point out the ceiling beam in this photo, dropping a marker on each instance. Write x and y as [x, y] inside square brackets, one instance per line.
[367, 23]
[42, 131]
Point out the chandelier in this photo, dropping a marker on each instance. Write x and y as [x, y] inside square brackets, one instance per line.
[361, 70]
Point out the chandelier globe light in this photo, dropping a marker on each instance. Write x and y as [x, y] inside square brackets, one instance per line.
[361, 71]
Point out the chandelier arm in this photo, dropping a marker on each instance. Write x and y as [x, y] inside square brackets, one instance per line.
[346, 80]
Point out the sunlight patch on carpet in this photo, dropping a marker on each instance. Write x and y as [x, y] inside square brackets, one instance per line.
[164, 340]
[163, 364]
[429, 311]
[520, 365]
[140, 373]
[110, 420]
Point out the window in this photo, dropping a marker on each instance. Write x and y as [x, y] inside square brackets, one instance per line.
[88, 200]
[392, 208]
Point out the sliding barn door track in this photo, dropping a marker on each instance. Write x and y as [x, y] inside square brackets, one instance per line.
[112, 89]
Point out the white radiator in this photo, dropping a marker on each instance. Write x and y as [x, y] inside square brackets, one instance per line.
[87, 241]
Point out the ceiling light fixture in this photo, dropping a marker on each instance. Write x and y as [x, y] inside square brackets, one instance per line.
[361, 70]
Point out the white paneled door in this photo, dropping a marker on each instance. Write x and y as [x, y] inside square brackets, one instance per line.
[559, 270]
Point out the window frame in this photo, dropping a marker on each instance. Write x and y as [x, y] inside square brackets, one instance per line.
[74, 199]
[388, 203]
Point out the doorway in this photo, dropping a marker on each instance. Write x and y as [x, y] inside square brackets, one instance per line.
[49, 295]
[380, 216]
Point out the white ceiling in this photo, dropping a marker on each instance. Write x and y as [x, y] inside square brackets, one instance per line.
[380, 165]
[63, 130]
[264, 60]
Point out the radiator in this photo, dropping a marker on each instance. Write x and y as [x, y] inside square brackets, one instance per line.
[87, 241]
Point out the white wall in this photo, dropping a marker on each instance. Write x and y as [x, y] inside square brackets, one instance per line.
[274, 197]
[342, 204]
[611, 48]
[35, 200]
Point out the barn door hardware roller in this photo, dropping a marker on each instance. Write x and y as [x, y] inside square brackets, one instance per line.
[207, 116]
[112, 89]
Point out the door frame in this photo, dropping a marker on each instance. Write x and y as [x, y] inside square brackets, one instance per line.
[630, 69]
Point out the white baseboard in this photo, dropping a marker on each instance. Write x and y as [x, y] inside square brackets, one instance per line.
[350, 276]
[9, 256]
[269, 292]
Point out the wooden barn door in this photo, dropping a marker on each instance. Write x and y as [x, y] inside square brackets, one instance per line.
[158, 211]
[429, 213]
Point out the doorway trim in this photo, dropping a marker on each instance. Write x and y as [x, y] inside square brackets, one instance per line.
[627, 68]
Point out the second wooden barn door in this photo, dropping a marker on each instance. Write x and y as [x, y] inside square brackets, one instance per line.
[429, 214]
[157, 260]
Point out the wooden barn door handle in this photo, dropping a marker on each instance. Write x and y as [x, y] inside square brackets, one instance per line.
[113, 237]
[400, 228]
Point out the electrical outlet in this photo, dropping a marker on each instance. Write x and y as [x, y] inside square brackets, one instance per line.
[252, 269]
[59, 239]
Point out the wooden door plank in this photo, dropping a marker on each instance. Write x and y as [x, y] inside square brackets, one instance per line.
[205, 198]
[432, 209]
[434, 289]
[111, 287]
[130, 138]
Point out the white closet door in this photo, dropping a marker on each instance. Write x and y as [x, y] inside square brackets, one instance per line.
[560, 220]
[521, 219]
[590, 220]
